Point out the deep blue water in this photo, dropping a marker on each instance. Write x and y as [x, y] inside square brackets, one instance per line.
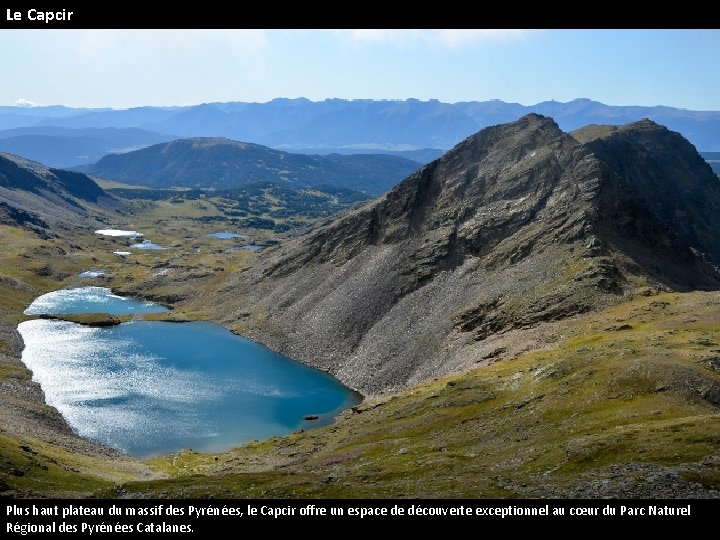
[89, 300]
[150, 388]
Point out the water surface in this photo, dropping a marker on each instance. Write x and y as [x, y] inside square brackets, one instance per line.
[118, 232]
[225, 235]
[145, 244]
[89, 300]
[149, 388]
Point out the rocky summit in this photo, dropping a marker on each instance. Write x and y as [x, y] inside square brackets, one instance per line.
[517, 226]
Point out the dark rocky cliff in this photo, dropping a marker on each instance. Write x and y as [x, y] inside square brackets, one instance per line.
[661, 205]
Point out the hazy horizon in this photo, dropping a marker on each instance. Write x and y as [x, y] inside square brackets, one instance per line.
[24, 105]
[123, 69]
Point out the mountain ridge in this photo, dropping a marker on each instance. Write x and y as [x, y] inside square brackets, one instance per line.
[301, 123]
[32, 194]
[518, 225]
[220, 163]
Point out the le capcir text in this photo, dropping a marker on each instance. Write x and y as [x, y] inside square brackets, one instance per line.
[37, 15]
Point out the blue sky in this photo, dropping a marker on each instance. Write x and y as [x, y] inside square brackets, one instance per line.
[126, 68]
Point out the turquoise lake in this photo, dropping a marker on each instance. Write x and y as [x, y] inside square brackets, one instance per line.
[150, 388]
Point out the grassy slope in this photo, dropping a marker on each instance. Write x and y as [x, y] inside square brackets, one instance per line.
[628, 411]
[52, 465]
[599, 413]
[37, 453]
[32, 466]
[34, 459]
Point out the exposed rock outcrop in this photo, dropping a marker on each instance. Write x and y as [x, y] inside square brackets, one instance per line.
[517, 225]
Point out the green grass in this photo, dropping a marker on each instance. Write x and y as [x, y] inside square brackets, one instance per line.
[30, 465]
[536, 425]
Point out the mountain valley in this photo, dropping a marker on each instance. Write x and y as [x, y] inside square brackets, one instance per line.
[533, 314]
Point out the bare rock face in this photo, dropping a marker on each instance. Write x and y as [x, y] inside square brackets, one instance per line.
[517, 225]
[661, 204]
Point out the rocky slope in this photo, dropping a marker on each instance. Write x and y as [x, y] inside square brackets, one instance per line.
[32, 194]
[622, 402]
[517, 225]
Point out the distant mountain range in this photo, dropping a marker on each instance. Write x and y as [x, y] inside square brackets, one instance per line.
[218, 163]
[358, 125]
[66, 147]
[713, 158]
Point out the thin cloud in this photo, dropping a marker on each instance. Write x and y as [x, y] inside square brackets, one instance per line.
[109, 46]
[458, 38]
[22, 102]
[451, 38]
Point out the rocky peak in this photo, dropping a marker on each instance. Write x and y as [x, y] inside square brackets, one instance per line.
[477, 195]
[517, 225]
[661, 201]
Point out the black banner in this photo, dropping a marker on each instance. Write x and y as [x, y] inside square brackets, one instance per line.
[126, 15]
[92, 517]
